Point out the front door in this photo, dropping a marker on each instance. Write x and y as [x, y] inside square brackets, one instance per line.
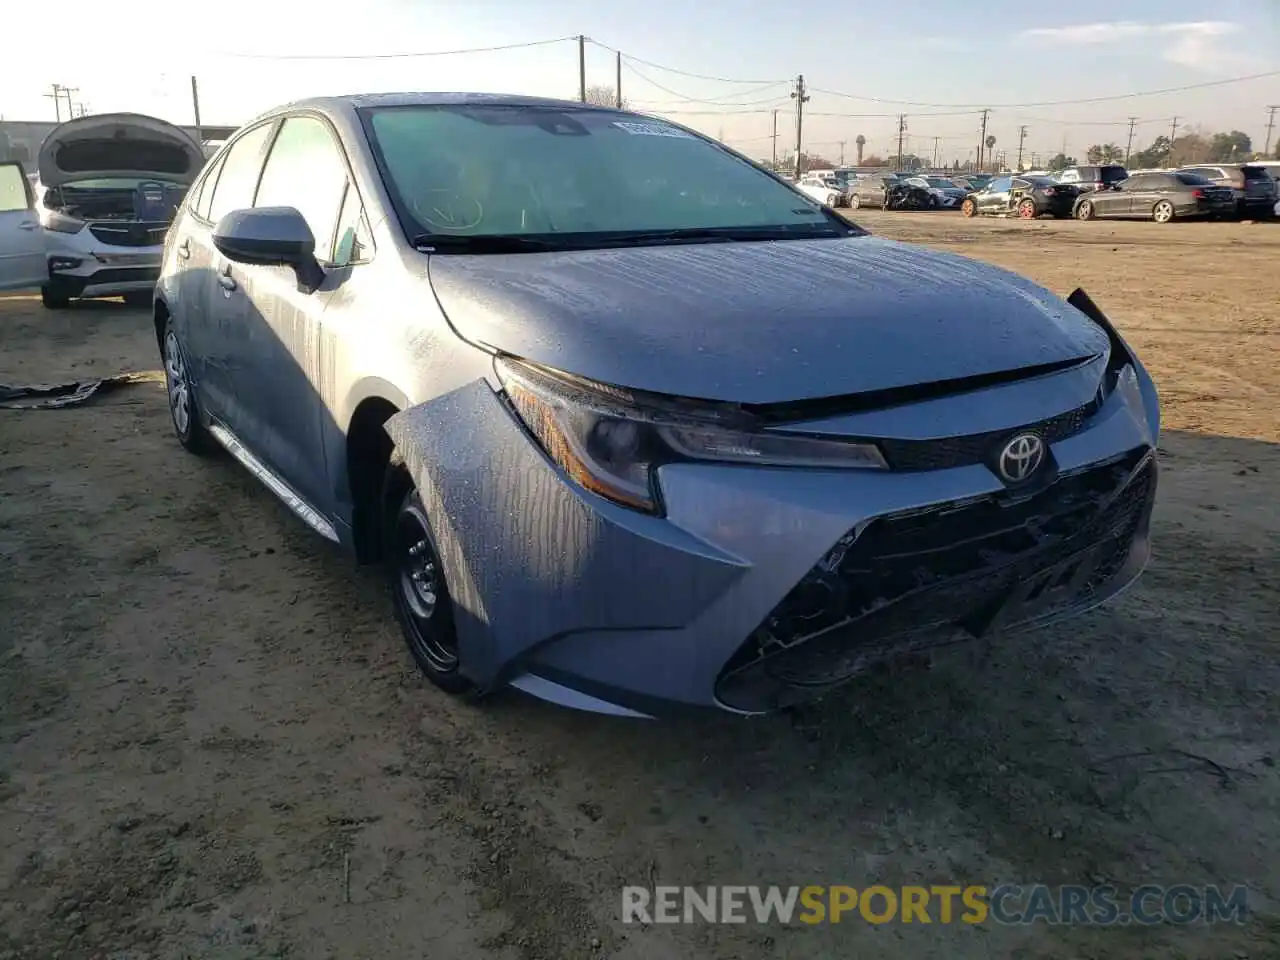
[22, 254]
[275, 349]
[998, 196]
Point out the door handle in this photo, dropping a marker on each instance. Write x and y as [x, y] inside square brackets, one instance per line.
[28, 224]
[227, 283]
[184, 249]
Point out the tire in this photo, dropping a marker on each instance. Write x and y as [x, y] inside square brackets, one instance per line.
[969, 208]
[53, 301]
[1084, 210]
[1162, 212]
[1027, 209]
[138, 298]
[419, 593]
[184, 410]
[854, 202]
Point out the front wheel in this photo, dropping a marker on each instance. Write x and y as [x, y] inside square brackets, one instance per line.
[1085, 210]
[1162, 212]
[53, 301]
[969, 208]
[419, 592]
[854, 202]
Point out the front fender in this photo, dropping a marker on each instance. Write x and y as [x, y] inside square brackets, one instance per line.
[530, 556]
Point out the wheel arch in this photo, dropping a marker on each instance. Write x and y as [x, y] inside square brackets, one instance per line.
[366, 455]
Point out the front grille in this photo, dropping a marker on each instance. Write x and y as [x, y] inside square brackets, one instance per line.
[978, 447]
[130, 234]
[919, 579]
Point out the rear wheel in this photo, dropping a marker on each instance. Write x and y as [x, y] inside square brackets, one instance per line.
[1027, 209]
[854, 202]
[423, 606]
[54, 301]
[1162, 212]
[969, 208]
[1085, 210]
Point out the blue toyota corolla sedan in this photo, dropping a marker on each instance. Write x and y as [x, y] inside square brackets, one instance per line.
[632, 423]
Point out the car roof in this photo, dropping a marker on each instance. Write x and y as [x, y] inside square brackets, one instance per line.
[357, 101]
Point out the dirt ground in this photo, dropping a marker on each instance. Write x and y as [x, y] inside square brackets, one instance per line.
[213, 743]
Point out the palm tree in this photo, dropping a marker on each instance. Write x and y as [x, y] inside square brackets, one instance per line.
[991, 142]
[860, 142]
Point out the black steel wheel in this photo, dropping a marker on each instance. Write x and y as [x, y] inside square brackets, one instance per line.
[423, 605]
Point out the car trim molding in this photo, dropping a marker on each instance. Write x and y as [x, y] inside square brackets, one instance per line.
[291, 498]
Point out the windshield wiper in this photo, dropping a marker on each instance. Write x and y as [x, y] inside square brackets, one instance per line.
[722, 235]
[483, 243]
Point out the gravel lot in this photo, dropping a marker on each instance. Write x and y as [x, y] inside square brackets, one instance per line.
[213, 743]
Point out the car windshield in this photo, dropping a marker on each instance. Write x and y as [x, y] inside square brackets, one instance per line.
[492, 170]
[939, 182]
[1041, 181]
[1255, 173]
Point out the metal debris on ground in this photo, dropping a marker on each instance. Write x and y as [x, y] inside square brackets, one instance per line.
[52, 396]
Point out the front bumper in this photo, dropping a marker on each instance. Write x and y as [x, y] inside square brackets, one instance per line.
[81, 266]
[762, 586]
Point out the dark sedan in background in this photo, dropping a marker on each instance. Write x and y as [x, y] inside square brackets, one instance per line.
[1161, 197]
[1026, 196]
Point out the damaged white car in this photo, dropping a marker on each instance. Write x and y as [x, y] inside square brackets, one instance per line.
[106, 192]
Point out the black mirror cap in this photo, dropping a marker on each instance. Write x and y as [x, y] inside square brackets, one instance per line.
[265, 236]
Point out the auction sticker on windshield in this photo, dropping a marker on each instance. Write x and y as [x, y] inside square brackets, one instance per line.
[650, 130]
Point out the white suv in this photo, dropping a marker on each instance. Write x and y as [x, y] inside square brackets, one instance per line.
[107, 189]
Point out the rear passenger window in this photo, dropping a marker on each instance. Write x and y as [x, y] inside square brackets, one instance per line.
[200, 203]
[239, 175]
[305, 170]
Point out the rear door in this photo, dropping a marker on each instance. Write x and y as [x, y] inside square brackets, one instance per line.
[22, 255]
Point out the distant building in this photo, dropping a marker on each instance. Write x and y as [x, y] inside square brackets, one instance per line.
[20, 139]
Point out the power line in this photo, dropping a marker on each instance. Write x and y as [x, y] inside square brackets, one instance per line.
[1061, 103]
[683, 73]
[685, 99]
[396, 56]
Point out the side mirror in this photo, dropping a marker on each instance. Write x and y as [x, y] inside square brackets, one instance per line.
[270, 236]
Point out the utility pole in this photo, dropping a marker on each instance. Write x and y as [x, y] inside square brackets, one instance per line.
[801, 98]
[935, 152]
[68, 91]
[1128, 147]
[982, 139]
[775, 141]
[1271, 123]
[902, 128]
[582, 68]
[617, 79]
[842, 143]
[1173, 135]
[195, 107]
[57, 100]
[1022, 135]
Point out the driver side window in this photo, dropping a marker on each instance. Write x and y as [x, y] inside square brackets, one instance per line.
[305, 170]
[1003, 185]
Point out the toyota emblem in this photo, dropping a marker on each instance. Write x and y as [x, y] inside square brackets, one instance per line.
[1021, 458]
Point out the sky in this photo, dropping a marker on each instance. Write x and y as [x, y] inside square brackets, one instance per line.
[723, 68]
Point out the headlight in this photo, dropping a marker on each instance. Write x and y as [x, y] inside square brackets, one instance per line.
[60, 223]
[612, 441]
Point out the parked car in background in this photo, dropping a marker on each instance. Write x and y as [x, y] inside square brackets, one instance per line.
[1025, 196]
[627, 424]
[1251, 184]
[1094, 177]
[107, 190]
[973, 182]
[945, 193]
[871, 190]
[824, 190]
[22, 257]
[1161, 197]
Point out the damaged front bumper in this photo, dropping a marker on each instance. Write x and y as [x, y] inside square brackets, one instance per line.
[762, 587]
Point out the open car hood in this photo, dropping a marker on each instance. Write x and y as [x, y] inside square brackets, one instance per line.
[118, 145]
[762, 322]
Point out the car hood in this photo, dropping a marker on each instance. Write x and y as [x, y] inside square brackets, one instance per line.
[118, 145]
[761, 322]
